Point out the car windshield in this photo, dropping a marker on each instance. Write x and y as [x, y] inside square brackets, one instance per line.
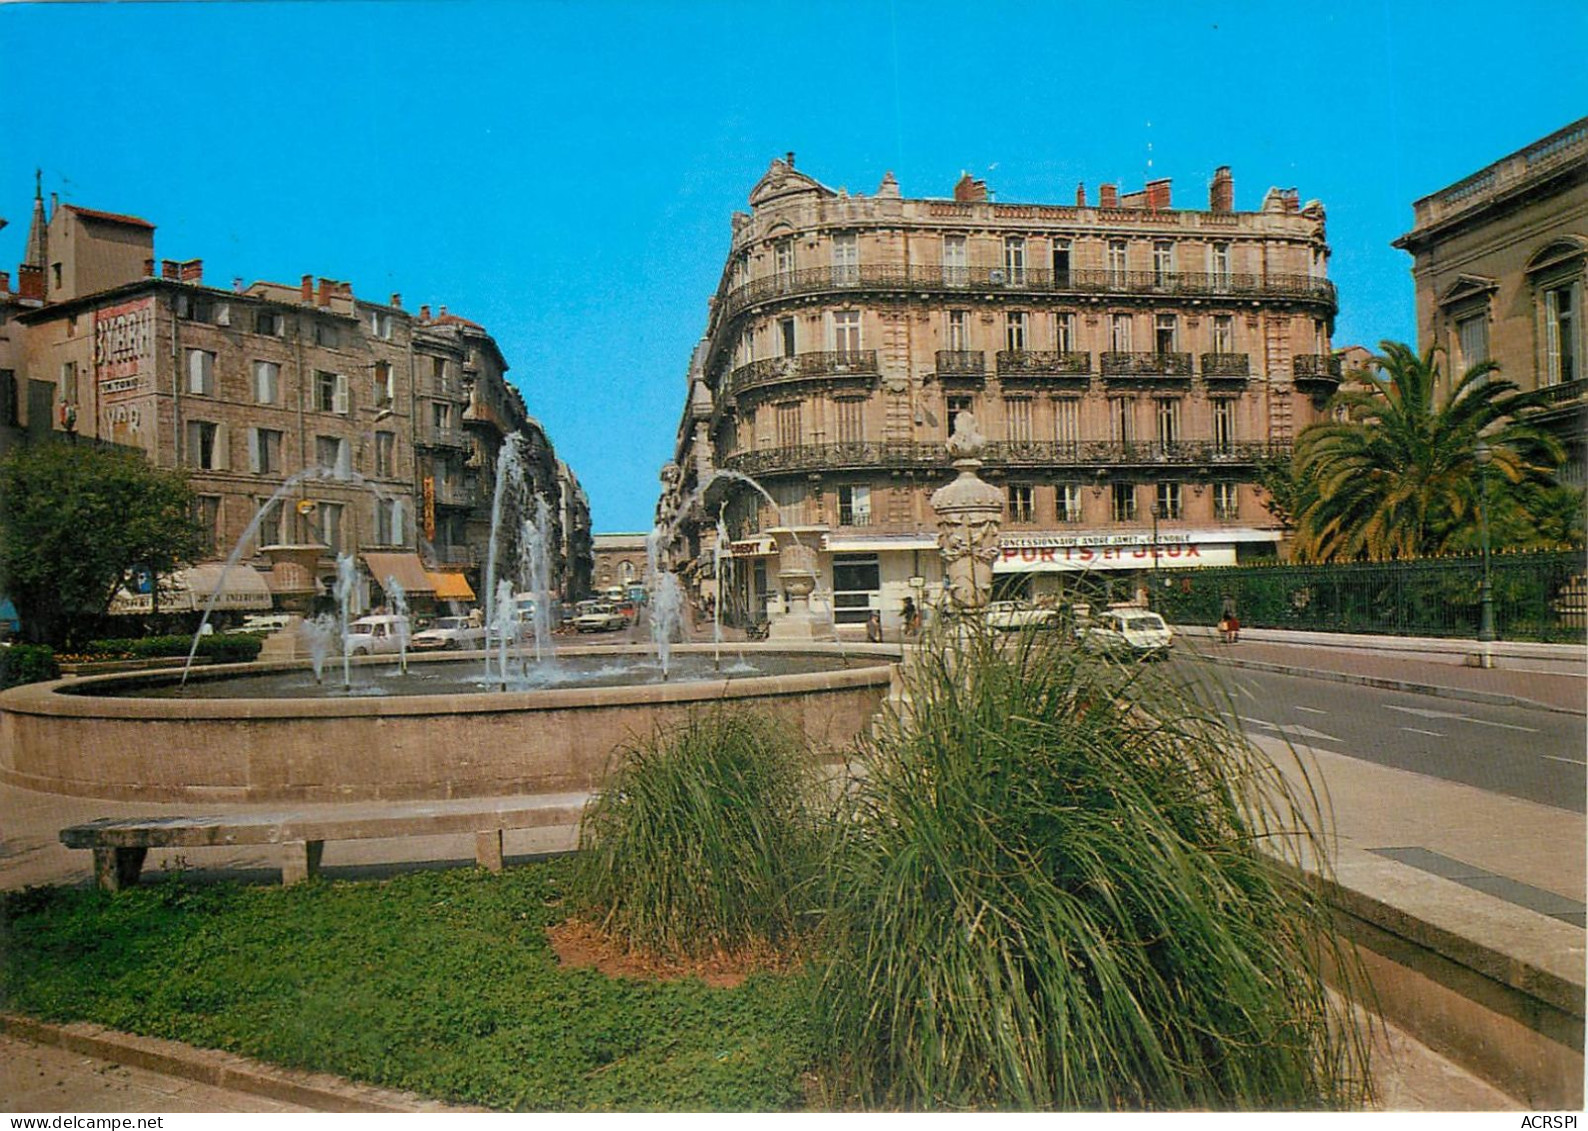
[1149, 623]
[449, 622]
[361, 629]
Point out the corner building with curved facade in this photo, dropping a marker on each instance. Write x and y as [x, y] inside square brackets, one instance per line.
[1131, 364]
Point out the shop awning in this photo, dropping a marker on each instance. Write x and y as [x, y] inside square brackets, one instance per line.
[406, 568]
[242, 589]
[450, 586]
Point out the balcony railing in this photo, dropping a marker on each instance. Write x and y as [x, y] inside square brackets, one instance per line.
[435, 436]
[802, 367]
[1316, 372]
[454, 555]
[1565, 393]
[1226, 366]
[1029, 280]
[1043, 363]
[1116, 364]
[1001, 453]
[961, 363]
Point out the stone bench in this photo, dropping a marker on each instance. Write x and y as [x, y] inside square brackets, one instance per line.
[120, 844]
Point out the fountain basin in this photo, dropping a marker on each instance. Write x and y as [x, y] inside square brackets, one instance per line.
[98, 737]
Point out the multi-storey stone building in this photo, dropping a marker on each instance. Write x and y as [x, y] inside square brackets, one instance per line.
[1132, 363]
[374, 431]
[1500, 261]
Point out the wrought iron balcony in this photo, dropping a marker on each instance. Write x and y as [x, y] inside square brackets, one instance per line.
[818, 365]
[1316, 372]
[807, 458]
[961, 363]
[1043, 363]
[838, 457]
[1079, 281]
[1226, 366]
[1116, 364]
[1566, 394]
[435, 436]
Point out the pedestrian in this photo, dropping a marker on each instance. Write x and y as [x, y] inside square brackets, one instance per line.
[1224, 628]
[912, 617]
[874, 627]
[1235, 628]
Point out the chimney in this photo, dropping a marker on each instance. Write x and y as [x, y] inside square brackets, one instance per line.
[396, 300]
[1158, 195]
[789, 159]
[30, 281]
[323, 296]
[192, 270]
[170, 269]
[1221, 193]
[1108, 196]
[148, 268]
[970, 191]
[308, 288]
[424, 312]
[237, 284]
[1080, 195]
[442, 312]
[5, 282]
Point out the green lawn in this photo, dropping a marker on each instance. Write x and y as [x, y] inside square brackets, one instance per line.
[439, 982]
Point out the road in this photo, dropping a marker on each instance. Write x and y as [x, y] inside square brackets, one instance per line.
[1521, 752]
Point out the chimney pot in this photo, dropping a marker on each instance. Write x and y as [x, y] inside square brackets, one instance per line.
[1080, 195]
[308, 288]
[791, 159]
[323, 296]
[396, 300]
[1158, 194]
[442, 313]
[1108, 196]
[170, 269]
[192, 270]
[424, 312]
[1221, 193]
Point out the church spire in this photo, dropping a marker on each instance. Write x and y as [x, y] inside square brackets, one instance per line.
[38, 238]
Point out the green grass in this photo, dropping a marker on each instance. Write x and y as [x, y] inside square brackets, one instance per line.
[440, 982]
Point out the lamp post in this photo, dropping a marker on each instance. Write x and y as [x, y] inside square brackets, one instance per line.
[1156, 512]
[1484, 457]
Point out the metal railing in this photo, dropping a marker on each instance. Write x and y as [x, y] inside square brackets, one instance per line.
[1190, 455]
[1044, 363]
[961, 363]
[1537, 596]
[1226, 365]
[1117, 364]
[1318, 370]
[434, 436]
[802, 367]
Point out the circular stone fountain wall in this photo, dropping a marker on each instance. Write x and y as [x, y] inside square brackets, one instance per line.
[103, 740]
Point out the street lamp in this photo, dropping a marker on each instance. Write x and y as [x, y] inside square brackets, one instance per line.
[1484, 457]
[1157, 513]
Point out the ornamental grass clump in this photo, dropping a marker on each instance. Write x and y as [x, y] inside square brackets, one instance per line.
[1062, 887]
[706, 839]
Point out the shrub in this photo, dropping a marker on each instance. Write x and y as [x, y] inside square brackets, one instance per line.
[1052, 896]
[705, 838]
[27, 663]
[227, 648]
[231, 648]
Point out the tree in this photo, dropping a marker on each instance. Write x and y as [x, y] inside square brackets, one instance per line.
[1395, 473]
[75, 519]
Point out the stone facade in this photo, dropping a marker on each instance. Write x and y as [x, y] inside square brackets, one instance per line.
[1121, 356]
[1499, 265]
[620, 559]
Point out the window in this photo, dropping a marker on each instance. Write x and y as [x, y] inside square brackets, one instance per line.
[1061, 262]
[959, 330]
[1219, 265]
[857, 586]
[1064, 332]
[388, 522]
[201, 373]
[1017, 417]
[1168, 423]
[1067, 420]
[1223, 426]
[1015, 259]
[1320, 337]
[385, 454]
[1015, 330]
[194, 308]
[790, 503]
[438, 372]
[330, 392]
[334, 454]
[326, 334]
[10, 399]
[785, 333]
[1223, 333]
[1560, 334]
[264, 451]
[851, 421]
[204, 449]
[1226, 500]
[267, 382]
[385, 386]
[783, 256]
[846, 331]
[1124, 502]
[69, 382]
[269, 323]
[957, 405]
[1472, 337]
[846, 259]
[380, 324]
[854, 506]
[441, 415]
[1020, 507]
[1119, 337]
[267, 532]
[789, 432]
[956, 269]
[1068, 498]
[1163, 333]
[1116, 263]
[330, 515]
[1122, 411]
[207, 514]
[1162, 262]
[1168, 500]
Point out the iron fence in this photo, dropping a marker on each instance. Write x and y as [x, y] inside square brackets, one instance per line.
[1537, 596]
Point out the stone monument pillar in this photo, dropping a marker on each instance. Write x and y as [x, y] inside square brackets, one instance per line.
[797, 575]
[969, 514]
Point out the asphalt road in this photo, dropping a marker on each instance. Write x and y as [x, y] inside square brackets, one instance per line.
[1521, 752]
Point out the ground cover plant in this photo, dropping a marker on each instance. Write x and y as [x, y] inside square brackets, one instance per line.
[1052, 895]
[441, 982]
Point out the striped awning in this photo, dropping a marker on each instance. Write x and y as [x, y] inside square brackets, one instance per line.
[407, 569]
[240, 588]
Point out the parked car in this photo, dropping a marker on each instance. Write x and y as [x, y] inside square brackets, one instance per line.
[602, 618]
[271, 622]
[1011, 616]
[1128, 632]
[450, 634]
[377, 635]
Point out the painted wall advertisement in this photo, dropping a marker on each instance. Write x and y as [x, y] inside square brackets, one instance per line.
[124, 366]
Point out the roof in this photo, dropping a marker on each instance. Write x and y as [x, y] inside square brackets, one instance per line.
[108, 217]
[446, 319]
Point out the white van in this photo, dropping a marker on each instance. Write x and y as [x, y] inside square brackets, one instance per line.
[378, 635]
[264, 622]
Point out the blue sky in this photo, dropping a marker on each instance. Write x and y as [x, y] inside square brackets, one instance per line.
[564, 173]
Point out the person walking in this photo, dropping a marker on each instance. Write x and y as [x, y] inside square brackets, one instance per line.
[874, 627]
[912, 617]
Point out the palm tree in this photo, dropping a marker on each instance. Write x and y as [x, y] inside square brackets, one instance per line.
[1394, 474]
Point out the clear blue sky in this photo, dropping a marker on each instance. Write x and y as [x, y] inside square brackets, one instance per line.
[564, 173]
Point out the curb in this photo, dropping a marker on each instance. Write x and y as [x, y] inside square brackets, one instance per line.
[318, 1091]
[1493, 698]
